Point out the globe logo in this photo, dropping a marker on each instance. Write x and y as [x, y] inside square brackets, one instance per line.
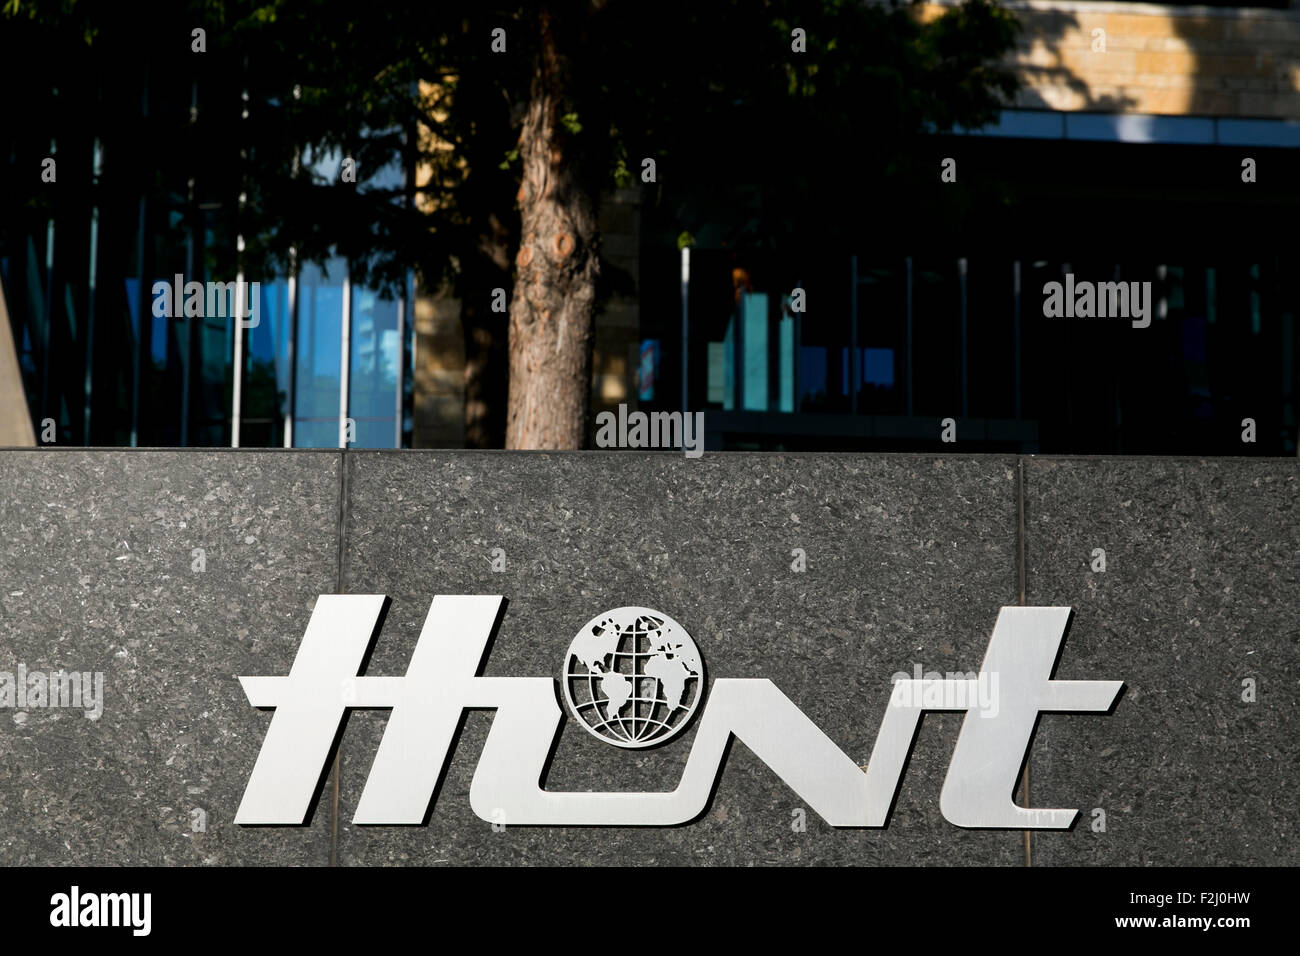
[633, 677]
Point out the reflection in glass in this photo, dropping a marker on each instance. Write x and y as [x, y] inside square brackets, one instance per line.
[319, 354]
[376, 358]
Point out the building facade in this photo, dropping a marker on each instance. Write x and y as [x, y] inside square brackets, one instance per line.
[108, 346]
[1127, 150]
[1148, 143]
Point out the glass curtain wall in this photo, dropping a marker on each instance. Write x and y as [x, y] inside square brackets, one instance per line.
[908, 341]
[110, 350]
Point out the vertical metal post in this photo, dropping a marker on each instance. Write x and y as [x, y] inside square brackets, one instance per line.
[1162, 303]
[1116, 392]
[237, 365]
[186, 348]
[909, 335]
[1015, 329]
[686, 328]
[191, 264]
[345, 358]
[798, 351]
[401, 364]
[47, 331]
[855, 373]
[408, 285]
[961, 273]
[291, 352]
[143, 327]
[738, 344]
[1066, 270]
[96, 170]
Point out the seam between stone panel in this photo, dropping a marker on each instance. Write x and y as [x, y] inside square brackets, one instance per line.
[342, 520]
[1020, 583]
[339, 589]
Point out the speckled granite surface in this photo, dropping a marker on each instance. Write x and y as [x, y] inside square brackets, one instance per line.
[909, 558]
[1201, 591]
[97, 573]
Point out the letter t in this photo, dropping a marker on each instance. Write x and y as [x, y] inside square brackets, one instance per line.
[990, 750]
[309, 706]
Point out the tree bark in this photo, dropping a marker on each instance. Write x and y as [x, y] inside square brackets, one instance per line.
[551, 311]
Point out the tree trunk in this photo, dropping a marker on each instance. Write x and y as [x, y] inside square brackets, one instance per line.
[551, 311]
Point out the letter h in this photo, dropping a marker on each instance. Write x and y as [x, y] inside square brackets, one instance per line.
[322, 685]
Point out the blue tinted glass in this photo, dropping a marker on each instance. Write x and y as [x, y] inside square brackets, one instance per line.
[753, 307]
[133, 305]
[320, 351]
[158, 340]
[266, 372]
[315, 433]
[785, 341]
[878, 367]
[729, 366]
[376, 358]
[812, 376]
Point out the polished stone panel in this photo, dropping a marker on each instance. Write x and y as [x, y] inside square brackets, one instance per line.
[99, 573]
[1201, 592]
[909, 559]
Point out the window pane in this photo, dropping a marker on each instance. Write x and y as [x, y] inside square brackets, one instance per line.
[266, 373]
[319, 355]
[376, 357]
[753, 317]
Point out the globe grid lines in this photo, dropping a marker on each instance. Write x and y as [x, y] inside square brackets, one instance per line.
[636, 676]
[638, 635]
[606, 723]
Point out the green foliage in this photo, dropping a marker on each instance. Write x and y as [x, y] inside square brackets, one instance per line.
[747, 133]
[623, 177]
[776, 147]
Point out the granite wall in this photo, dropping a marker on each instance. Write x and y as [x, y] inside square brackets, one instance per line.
[172, 572]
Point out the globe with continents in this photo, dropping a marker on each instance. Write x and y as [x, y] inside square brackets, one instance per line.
[633, 676]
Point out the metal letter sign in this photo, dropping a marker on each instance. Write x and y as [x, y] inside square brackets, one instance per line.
[607, 670]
